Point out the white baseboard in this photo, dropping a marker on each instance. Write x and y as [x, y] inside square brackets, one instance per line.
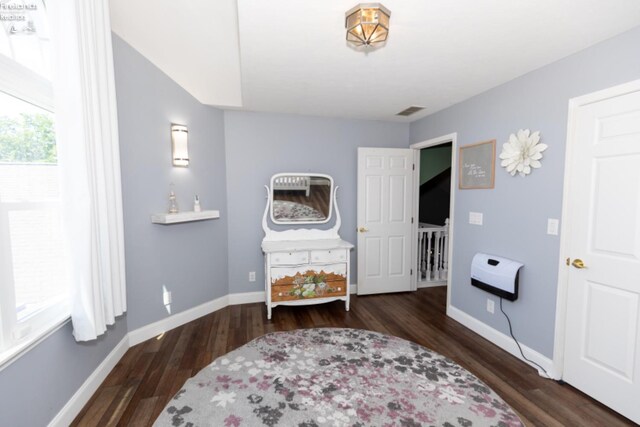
[89, 387]
[503, 341]
[246, 298]
[156, 328]
[353, 288]
[432, 284]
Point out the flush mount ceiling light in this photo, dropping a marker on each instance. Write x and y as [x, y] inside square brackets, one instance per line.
[367, 24]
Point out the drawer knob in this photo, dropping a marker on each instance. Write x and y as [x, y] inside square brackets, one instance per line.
[279, 294]
[339, 288]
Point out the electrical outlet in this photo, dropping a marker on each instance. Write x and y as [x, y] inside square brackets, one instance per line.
[491, 308]
[252, 276]
[166, 297]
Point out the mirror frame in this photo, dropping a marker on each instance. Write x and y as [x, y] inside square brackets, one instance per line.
[271, 195]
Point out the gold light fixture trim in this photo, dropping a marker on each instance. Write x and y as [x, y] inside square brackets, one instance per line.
[367, 24]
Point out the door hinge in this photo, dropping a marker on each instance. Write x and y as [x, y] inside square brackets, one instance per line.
[411, 272]
[411, 220]
[414, 166]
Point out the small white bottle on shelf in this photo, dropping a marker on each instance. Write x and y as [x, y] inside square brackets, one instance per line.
[196, 204]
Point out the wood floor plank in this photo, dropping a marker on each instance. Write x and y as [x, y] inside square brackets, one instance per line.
[172, 366]
[197, 343]
[143, 415]
[368, 317]
[114, 412]
[256, 322]
[157, 362]
[150, 373]
[122, 369]
[104, 397]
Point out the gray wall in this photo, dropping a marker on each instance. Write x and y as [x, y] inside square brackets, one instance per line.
[190, 259]
[260, 145]
[36, 386]
[516, 211]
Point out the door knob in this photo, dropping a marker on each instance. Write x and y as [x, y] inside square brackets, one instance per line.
[578, 263]
[362, 230]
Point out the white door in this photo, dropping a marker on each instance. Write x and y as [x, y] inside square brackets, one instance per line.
[602, 340]
[385, 201]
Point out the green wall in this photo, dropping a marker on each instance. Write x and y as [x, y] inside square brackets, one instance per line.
[433, 161]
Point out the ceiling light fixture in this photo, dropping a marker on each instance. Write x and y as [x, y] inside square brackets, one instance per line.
[367, 24]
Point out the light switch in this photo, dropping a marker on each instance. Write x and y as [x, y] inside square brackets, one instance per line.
[552, 226]
[475, 218]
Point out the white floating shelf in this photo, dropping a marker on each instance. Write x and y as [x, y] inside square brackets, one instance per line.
[176, 218]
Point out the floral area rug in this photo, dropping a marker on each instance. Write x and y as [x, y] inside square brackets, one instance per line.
[335, 377]
[291, 211]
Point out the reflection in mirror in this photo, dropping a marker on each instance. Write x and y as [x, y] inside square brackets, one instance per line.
[301, 198]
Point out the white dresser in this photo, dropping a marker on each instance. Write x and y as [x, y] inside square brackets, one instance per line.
[302, 272]
[305, 266]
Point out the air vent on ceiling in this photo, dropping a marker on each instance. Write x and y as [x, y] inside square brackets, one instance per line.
[409, 111]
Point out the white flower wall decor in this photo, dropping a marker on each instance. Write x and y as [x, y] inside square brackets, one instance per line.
[522, 152]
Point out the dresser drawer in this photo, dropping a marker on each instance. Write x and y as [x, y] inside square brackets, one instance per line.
[306, 273]
[290, 258]
[294, 292]
[331, 255]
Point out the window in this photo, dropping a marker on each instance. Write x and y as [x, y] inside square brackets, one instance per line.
[33, 291]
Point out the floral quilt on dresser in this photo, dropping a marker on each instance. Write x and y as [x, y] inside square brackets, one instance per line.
[335, 377]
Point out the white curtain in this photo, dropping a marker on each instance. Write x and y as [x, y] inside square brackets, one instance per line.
[88, 153]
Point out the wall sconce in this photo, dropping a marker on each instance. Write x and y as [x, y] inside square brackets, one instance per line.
[179, 148]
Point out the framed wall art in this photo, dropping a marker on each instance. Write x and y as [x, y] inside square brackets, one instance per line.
[476, 165]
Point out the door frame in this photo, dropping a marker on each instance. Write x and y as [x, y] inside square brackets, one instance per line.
[565, 227]
[453, 139]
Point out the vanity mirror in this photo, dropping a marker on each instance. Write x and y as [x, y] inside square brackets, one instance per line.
[301, 198]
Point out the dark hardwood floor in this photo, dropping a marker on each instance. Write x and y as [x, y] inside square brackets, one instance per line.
[150, 373]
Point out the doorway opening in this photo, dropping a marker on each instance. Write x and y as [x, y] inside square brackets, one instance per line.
[434, 185]
[434, 199]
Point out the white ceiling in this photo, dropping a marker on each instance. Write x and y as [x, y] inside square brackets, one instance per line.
[195, 42]
[290, 56]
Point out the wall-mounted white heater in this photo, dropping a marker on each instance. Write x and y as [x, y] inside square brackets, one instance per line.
[496, 275]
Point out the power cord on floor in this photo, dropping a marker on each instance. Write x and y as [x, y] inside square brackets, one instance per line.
[518, 344]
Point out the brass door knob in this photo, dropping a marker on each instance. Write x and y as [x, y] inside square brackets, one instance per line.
[362, 230]
[578, 263]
